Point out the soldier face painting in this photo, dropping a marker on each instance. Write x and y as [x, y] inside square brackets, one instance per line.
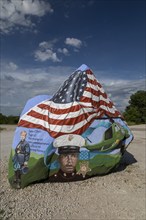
[23, 135]
[68, 162]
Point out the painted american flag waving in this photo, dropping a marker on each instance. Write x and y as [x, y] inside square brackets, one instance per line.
[72, 109]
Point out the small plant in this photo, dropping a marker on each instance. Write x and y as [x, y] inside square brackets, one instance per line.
[1, 129]
[2, 211]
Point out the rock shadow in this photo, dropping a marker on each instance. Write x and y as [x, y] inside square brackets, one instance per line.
[126, 160]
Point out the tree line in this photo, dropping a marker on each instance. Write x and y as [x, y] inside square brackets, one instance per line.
[135, 112]
[8, 119]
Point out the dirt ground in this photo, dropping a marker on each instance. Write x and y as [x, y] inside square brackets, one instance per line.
[119, 195]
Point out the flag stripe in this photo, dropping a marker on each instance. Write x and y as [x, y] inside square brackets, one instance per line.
[94, 82]
[96, 92]
[92, 78]
[54, 134]
[96, 88]
[58, 105]
[108, 108]
[69, 120]
[96, 104]
[87, 101]
[55, 127]
[70, 114]
[95, 97]
[59, 110]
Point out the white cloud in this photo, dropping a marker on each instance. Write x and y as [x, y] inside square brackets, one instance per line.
[19, 85]
[63, 51]
[12, 66]
[16, 13]
[74, 42]
[37, 7]
[121, 90]
[48, 44]
[48, 54]
[46, 51]
[43, 44]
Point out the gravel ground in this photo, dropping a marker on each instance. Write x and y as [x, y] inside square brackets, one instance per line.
[119, 195]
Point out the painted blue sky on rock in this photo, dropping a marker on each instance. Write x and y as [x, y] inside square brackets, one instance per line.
[44, 41]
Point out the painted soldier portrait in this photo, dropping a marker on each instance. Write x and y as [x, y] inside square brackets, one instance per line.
[68, 147]
[20, 159]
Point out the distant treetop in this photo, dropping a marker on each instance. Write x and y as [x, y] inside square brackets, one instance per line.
[136, 110]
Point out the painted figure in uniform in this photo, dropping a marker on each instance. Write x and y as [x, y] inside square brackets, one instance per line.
[68, 150]
[20, 159]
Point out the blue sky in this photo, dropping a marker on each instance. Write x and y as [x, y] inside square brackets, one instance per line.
[44, 41]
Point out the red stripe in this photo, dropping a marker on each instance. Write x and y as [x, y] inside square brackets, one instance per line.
[116, 114]
[96, 104]
[54, 134]
[66, 121]
[95, 92]
[83, 128]
[28, 124]
[72, 121]
[101, 102]
[60, 111]
[89, 72]
[94, 82]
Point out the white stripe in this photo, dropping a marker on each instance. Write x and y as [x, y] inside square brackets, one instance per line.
[92, 77]
[60, 128]
[40, 110]
[97, 88]
[59, 105]
[94, 97]
[89, 85]
[32, 108]
[85, 104]
[52, 105]
[111, 110]
[61, 116]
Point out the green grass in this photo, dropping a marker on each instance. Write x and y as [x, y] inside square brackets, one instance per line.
[99, 165]
[37, 170]
[102, 164]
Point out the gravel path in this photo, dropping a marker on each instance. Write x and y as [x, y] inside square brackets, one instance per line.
[119, 195]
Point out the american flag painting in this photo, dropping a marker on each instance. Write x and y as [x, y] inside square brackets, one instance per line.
[78, 102]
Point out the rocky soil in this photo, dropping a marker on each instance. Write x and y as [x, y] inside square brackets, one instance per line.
[119, 195]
